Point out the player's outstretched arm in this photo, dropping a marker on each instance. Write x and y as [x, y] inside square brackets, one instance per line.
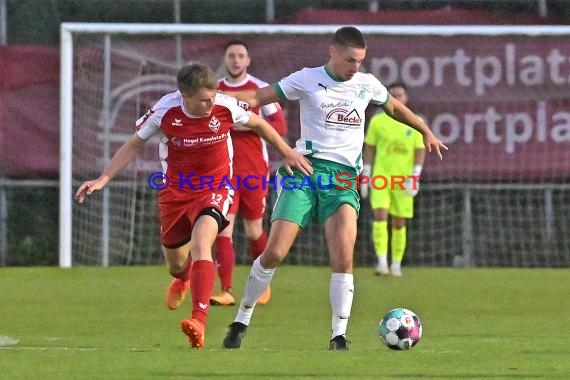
[277, 120]
[256, 98]
[123, 156]
[291, 158]
[396, 110]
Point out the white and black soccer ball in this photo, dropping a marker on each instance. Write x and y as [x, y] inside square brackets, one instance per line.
[400, 329]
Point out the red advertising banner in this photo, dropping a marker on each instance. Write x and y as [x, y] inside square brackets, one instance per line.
[29, 111]
[502, 104]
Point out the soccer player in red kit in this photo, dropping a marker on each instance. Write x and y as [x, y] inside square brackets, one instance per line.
[250, 159]
[196, 152]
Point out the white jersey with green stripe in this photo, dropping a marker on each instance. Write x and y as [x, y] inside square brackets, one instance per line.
[332, 112]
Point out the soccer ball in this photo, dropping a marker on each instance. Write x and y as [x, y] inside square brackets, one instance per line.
[400, 329]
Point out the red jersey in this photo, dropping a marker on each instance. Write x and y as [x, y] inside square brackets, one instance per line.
[251, 156]
[196, 152]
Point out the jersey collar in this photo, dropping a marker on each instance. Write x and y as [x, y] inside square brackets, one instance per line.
[330, 74]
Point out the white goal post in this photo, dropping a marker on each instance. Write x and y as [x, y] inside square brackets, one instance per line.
[498, 95]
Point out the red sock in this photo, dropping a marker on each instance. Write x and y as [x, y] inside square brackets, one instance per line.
[185, 274]
[225, 259]
[202, 278]
[256, 247]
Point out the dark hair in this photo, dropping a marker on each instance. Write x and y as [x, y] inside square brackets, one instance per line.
[349, 36]
[235, 42]
[192, 78]
[397, 84]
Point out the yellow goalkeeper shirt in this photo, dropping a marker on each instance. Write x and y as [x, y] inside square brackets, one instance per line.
[395, 143]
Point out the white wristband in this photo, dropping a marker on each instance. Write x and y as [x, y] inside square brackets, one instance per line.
[417, 170]
[366, 170]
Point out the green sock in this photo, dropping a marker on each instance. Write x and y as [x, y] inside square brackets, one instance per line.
[398, 244]
[380, 237]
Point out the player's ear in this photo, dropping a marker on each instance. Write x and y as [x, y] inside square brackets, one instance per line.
[332, 51]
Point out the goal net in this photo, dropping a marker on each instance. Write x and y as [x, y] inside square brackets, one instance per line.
[498, 96]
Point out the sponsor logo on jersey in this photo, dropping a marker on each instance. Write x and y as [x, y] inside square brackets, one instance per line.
[343, 117]
[190, 141]
[177, 122]
[397, 147]
[214, 124]
[176, 141]
[322, 85]
[335, 104]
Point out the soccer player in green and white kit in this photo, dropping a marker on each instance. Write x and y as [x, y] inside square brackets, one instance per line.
[332, 100]
[395, 150]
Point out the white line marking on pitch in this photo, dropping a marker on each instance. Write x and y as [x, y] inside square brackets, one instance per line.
[31, 348]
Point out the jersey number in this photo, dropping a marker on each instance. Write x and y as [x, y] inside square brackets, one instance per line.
[216, 199]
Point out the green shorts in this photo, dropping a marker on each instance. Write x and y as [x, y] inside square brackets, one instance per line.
[397, 202]
[302, 198]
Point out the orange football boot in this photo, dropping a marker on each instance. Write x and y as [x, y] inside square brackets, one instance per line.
[176, 293]
[265, 297]
[194, 330]
[225, 298]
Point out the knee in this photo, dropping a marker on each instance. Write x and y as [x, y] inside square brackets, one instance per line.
[398, 223]
[343, 267]
[342, 264]
[253, 229]
[380, 215]
[175, 267]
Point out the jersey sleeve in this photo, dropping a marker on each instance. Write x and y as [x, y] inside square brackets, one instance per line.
[276, 119]
[269, 109]
[380, 94]
[238, 109]
[291, 87]
[149, 124]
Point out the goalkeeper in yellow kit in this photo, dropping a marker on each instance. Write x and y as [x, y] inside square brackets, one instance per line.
[391, 150]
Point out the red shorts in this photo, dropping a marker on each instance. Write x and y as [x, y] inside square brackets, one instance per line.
[250, 203]
[177, 217]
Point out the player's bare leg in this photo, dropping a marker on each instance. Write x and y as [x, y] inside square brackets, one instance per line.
[340, 232]
[225, 259]
[281, 237]
[179, 265]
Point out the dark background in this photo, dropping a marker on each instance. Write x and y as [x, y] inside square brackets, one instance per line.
[37, 21]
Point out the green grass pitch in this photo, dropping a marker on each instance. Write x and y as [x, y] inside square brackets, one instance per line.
[111, 323]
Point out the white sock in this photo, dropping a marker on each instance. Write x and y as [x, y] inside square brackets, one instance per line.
[259, 279]
[341, 293]
[383, 260]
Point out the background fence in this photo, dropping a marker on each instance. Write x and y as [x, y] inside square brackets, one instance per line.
[468, 227]
[498, 198]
